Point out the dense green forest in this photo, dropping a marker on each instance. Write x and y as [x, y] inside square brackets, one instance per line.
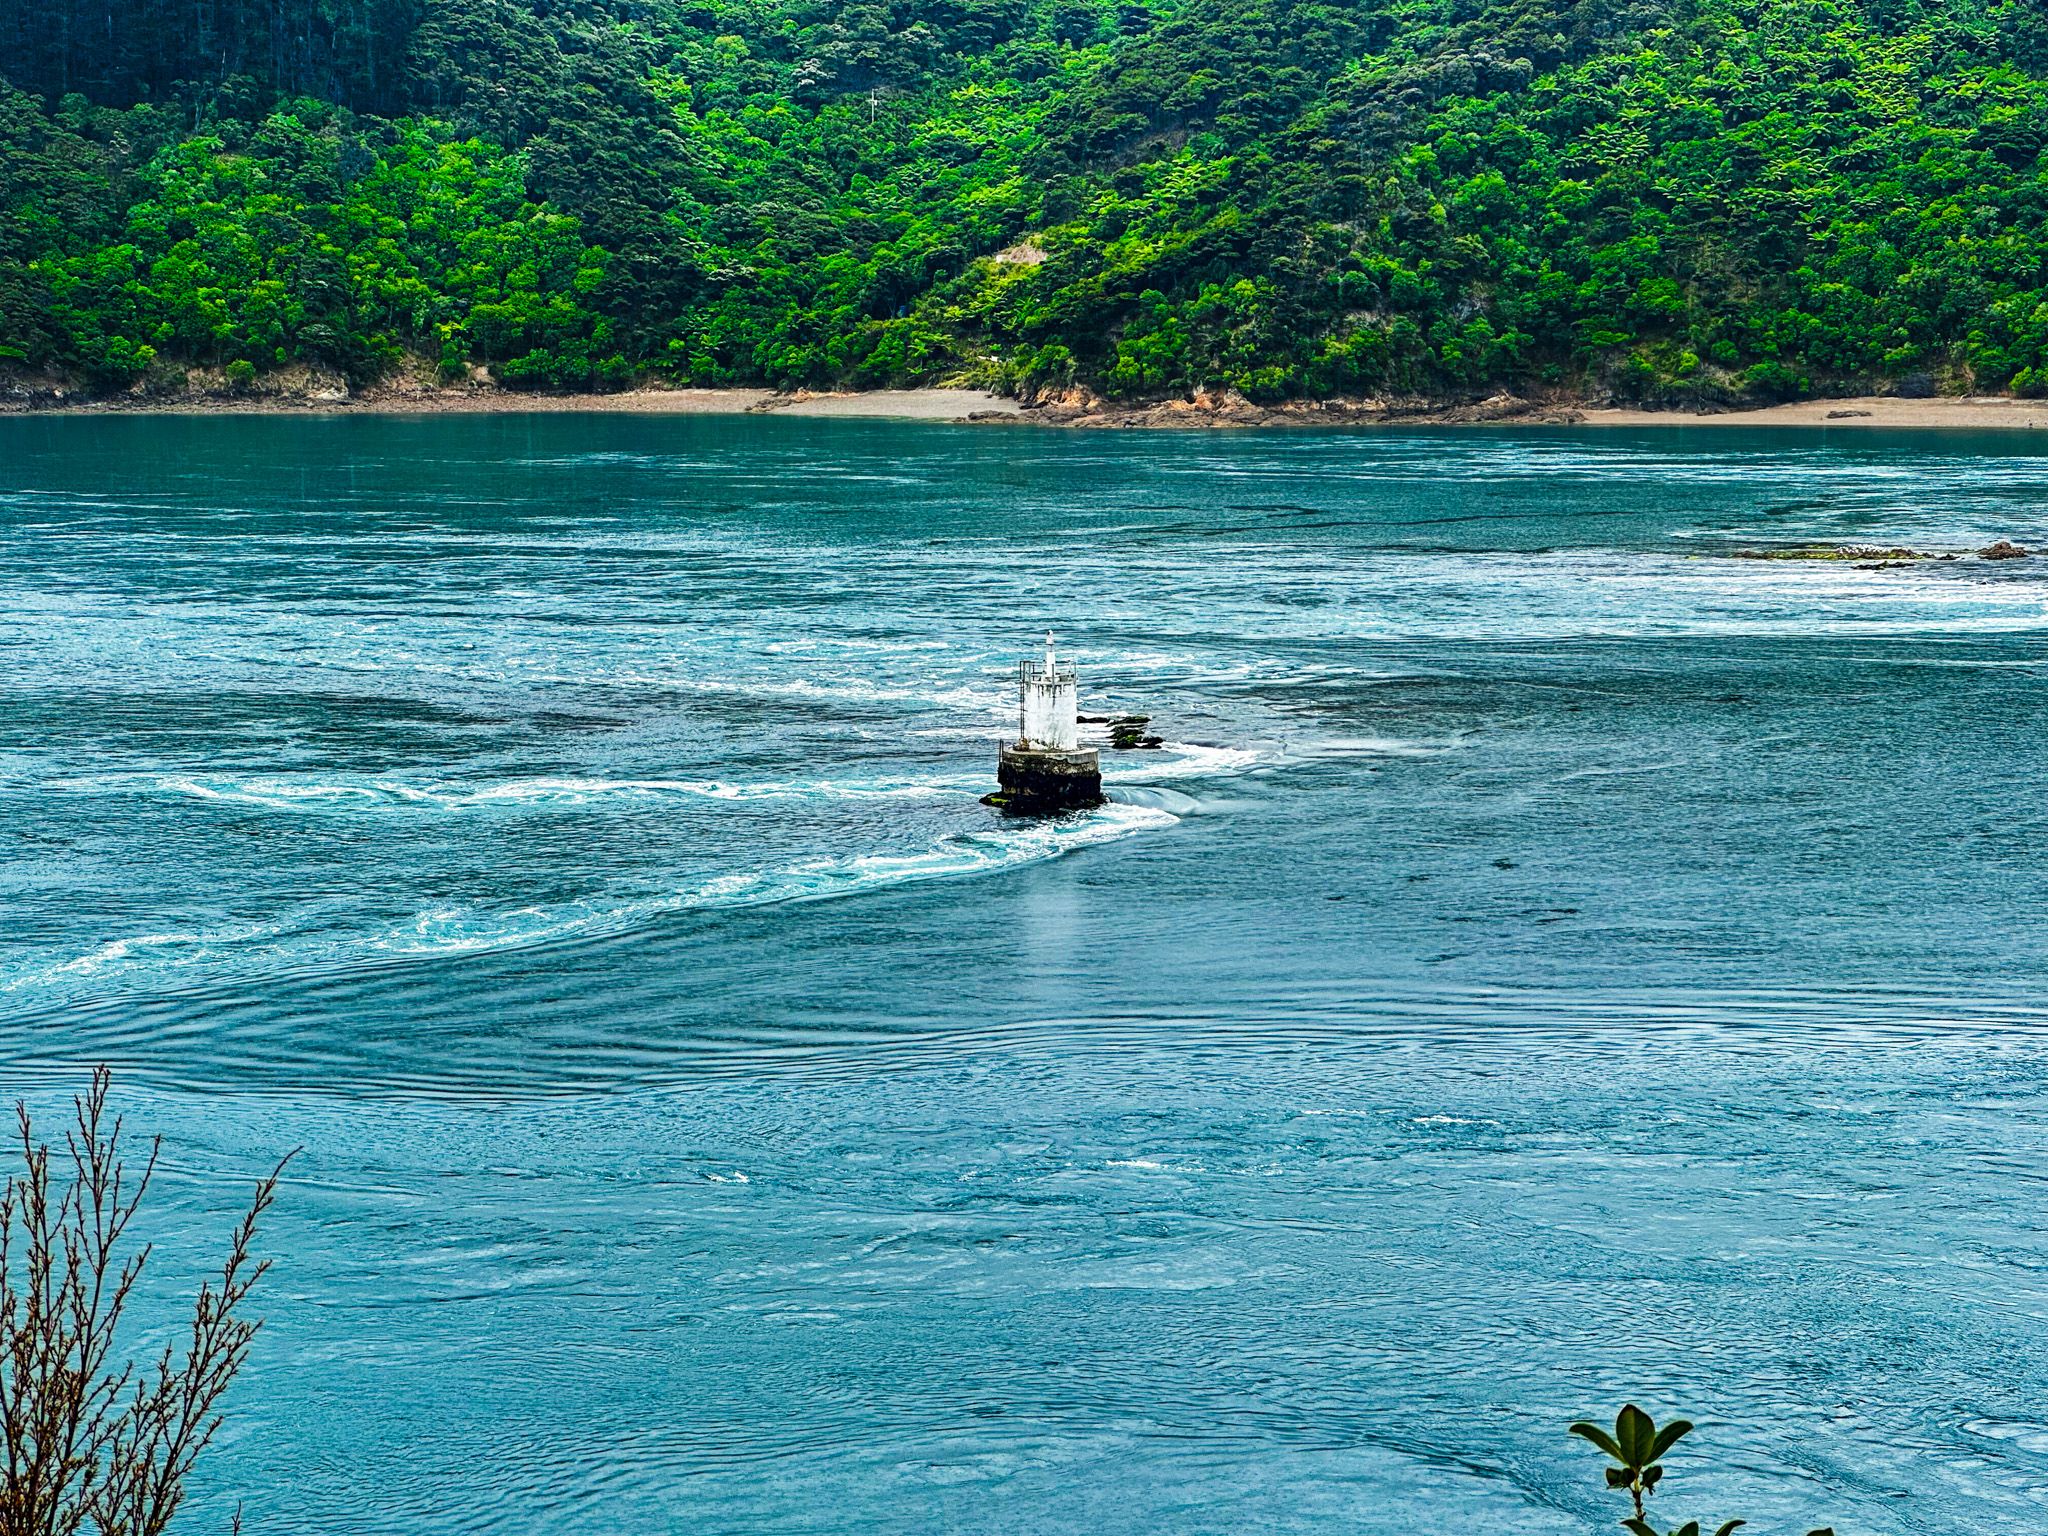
[1661, 200]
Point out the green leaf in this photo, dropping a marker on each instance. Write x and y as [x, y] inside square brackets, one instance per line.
[1731, 1525]
[1690, 1528]
[1639, 1527]
[1618, 1477]
[1599, 1437]
[1651, 1476]
[1669, 1436]
[1826, 1530]
[1637, 1433]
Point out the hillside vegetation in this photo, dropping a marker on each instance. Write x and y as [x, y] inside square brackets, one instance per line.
[1655, 200]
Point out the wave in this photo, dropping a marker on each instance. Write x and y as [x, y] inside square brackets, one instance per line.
[1376, 746]
[274, 793]
[458, 930]
[978, 697]
[353, 792]
[1182, 760]
[115, 951]
[318, 937]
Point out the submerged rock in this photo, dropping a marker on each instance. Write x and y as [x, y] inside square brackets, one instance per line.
[1843, 552]
[2004, 549]
[1128, 731]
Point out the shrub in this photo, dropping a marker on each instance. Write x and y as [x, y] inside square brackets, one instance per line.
[86, 1444]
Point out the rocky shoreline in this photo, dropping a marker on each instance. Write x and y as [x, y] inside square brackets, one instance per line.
[1228, 408]
[309, 392]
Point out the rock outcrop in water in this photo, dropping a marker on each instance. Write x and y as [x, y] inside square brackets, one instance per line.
[1127, 733]
[1847, 553]
[1885, 556]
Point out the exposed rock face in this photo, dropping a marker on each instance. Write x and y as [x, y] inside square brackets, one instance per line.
[1078, 406]
[2004, 549]
[1040, 783]
[1024, 254]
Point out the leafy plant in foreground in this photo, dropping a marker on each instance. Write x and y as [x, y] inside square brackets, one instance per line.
[1636, 1446]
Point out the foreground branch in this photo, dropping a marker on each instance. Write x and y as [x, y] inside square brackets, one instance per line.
[85, 1444]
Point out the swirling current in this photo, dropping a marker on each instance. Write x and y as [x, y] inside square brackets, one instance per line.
[1552, 962]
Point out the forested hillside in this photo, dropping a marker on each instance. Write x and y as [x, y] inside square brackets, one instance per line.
[1660, 200]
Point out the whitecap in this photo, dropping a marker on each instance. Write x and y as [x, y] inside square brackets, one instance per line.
[332, 793]
[1182, 760]
[137, 946]
[1169, 800]
[1375, 746]
[344, 793]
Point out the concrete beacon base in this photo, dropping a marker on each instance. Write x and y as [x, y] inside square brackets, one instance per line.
[1038, 782]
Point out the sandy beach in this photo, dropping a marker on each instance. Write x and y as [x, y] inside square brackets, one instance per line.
[401, 400]
[1972, 413]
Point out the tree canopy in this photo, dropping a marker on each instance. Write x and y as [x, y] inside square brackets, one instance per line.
[1660, 200]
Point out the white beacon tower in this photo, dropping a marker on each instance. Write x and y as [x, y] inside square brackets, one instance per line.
[1049, 718]
[1047, 769]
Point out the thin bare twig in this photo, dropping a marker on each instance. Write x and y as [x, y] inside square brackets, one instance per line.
[86, 1444]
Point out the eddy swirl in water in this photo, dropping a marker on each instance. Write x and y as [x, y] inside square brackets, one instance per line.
[979, 846]
[1552, 965]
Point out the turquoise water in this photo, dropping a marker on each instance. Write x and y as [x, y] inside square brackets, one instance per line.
[1554, 963]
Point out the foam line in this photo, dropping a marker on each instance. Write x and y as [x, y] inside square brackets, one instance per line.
[466, 930]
